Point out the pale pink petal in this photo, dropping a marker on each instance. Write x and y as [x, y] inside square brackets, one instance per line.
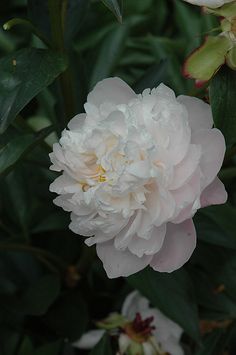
[112, 90]
[89, 340]
[140, 246]
[214, 194]
[199, 112]
[64, 184]
[179, 244]
[120, 263]
[172, 346]
[188, 193]
[184, 170]
[209, 3]
[165, 327]
[133, 304]
[77, 122]
[213, 150]
[124, 237]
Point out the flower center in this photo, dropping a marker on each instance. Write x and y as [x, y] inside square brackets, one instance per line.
[140, 329]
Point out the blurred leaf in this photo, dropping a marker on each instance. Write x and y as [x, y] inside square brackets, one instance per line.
[18, 147]
[23, 75]
[165, 49]
[115, 6]
[56, 221]
[17, 199]
[13, 151]
[26, 347]
[39, 297]
[188, 22]
[216, 225]
[39, 15]
[212, 270]
[91, 39]
[213, 343]
[68, 317]
[109, 53]
[223, 103]
[173, 294]
[49, 349]
[155, 75]
[76, 12]
[217, 304]
[103, 347]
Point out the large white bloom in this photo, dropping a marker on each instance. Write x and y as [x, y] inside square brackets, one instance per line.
[209, 3]
[135, 170]
[156, 334]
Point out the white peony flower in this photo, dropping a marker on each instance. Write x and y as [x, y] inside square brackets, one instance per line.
[209, 3]
[146, 329]
[135, 170]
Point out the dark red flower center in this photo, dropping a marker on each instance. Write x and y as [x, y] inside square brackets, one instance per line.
[140, 329]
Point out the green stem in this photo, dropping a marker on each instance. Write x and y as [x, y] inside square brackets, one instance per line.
[41, 254]
[57, 12]
[20, 21]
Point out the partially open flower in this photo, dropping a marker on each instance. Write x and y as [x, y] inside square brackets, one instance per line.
[135, 170]
[143, 331]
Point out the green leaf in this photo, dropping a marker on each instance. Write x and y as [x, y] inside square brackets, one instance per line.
[109, 54]
[23, 75]
[56, 221]
[75, 15]
[26, 347]
[68, 318]
[216, 225]
[41, 295]
[172, 294]
[212, 344]
[188, 22]
[18, 147]
[115, 6]
[103, 347]
[49, 349]
[155, 75]
[223, 103]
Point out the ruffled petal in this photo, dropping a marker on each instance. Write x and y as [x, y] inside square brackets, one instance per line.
[213, 149]
[185, 169]
[214, 194]
[179, 244]
[199, 112]
[140, 246]
[77, 122]
[120, 263]
[111, 90]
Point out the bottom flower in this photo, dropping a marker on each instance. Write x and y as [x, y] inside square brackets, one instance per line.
[139, 330]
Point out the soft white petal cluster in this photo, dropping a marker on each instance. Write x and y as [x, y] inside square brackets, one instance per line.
[135, 170]
[166, 335]
[209, 3]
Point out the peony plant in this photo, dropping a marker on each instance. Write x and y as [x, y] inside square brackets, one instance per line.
[135, 169]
